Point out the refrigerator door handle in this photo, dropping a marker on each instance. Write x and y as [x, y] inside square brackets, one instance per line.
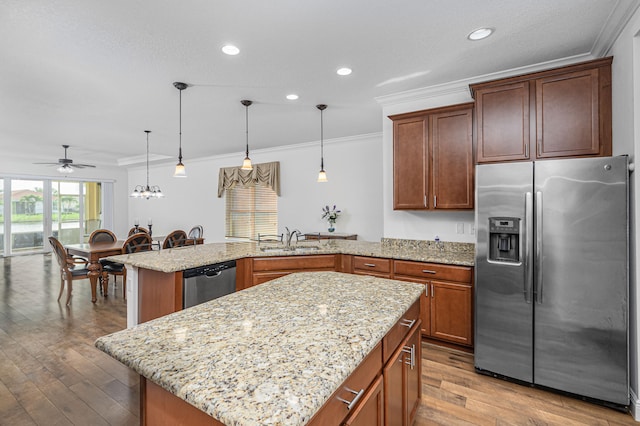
[539, 248]
[526, 241]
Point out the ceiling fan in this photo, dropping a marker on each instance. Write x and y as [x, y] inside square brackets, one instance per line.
[66, 165]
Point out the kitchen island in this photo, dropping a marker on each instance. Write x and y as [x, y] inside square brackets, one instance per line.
[276, 353]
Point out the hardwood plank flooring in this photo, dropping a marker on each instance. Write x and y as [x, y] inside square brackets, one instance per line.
[51, 374]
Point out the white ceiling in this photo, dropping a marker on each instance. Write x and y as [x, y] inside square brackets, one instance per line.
[94, 74]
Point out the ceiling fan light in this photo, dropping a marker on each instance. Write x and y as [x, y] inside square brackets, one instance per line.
[246, 164]
[65, 168]
[180, 170]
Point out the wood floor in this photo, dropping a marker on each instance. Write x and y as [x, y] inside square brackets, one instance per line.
[51, 374]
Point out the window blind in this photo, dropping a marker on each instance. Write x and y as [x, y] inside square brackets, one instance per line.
[251, 211]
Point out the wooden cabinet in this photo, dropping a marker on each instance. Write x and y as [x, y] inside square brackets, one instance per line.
[433, 159]
[563, 112]
[365, 398]
[402, 377]
[370, 411]
[447, 302]
[363, 265]
[263, 269]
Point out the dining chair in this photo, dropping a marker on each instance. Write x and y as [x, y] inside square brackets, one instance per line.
[105, 235]
[196, 232]
[70, 268]
[176, 238]
[137, 230]
[137, 242]
[102, 235]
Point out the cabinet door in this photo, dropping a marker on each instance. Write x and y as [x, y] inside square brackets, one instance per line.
[410, 167]
[452, 159]
[413, 384]
[370, 410]
[393, 389]
[451, 312]
[567, 115]
[502, 120]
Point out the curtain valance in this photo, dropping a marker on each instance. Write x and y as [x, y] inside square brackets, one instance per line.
[264, 174]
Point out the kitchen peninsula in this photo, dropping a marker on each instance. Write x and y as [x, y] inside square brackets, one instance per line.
[283, 352]
[154, 279]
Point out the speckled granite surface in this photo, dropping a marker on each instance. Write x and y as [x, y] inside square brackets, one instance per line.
[268, 355]
[178, 259]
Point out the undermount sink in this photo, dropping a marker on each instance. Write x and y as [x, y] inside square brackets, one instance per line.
[289, 249]
[306, 248]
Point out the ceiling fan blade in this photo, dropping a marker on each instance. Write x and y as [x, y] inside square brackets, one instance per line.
[81, 166]
[50, 164]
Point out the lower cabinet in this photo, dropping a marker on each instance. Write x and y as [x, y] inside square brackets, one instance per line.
[447, 302]
[364, 265]
[370, 411]
[402, 378]
[265, 269]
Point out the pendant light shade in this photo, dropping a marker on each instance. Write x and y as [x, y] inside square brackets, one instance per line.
[322, 175]
[147, 191]
[180, 170]
[246, 164]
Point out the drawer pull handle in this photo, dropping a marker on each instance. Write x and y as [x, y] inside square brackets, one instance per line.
[407, 322]
[371, 265]
[429, 271]
[412, 355]
[350, 404]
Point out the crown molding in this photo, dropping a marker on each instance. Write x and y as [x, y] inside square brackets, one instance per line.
[615, 23]
[462, 86]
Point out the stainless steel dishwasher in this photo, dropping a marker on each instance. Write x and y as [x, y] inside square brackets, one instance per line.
[208, 282]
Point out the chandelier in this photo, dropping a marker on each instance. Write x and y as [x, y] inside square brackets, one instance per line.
[146, 191]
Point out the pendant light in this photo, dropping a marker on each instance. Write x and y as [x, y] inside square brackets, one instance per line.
[147, 191]
[180, 171]
[246, 164]
[322, 176]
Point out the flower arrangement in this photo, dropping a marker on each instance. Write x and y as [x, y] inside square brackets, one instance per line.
[331, 215]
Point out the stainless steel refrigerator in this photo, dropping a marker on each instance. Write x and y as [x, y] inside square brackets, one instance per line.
[552, 275]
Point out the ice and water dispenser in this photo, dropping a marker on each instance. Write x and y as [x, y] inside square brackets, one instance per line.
[504, 239]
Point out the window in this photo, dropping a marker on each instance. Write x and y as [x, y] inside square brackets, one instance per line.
[251, 211]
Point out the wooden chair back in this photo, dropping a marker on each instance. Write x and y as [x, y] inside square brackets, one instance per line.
[102, 235]
[137, 242]
[176, 238]
[196, 232]
[68, 272]
[139, 229]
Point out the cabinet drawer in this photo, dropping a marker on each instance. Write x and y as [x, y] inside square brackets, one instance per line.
[334, 411]
[400, 330]
[430, 271]
[325, 262]
[371, 264]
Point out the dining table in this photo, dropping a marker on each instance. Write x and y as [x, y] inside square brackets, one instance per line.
[94, 252]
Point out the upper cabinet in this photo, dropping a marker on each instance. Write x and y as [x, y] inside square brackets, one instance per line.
[563, 112]
[433, 159]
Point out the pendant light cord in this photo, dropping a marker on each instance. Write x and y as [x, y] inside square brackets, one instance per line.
[180, 128]
[321, 139]
[147, 132]
[246, 110]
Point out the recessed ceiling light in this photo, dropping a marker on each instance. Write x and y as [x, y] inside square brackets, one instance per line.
[480, 33]
[292, 97]
[230, 49]
[344, 71]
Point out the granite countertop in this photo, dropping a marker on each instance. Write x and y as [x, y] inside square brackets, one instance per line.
[178, 259]
[270, 354]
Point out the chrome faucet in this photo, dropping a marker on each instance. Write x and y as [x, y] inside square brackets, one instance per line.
[289, 236]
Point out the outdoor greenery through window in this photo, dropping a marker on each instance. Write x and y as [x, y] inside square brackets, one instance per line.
[68, 210]
[251, 211]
